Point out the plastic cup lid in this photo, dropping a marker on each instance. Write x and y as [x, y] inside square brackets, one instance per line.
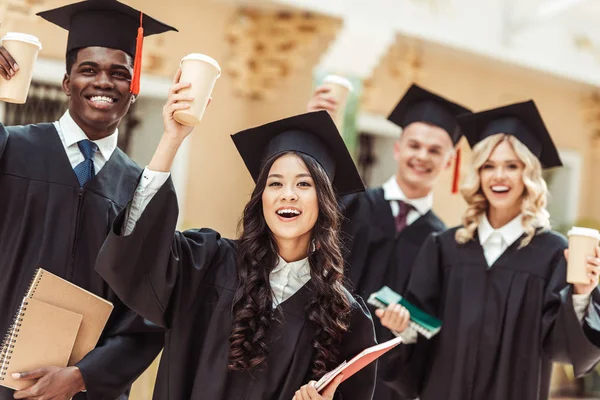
[340, 80]
[23, 37]
[578, 231]
[203, 57]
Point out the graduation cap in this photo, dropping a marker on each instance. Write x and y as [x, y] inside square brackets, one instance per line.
[107, 23]
[314, 134]
[421, 105]
[521, 120]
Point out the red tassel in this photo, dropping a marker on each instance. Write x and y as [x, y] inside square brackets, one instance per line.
[456, 177]
[137, 62]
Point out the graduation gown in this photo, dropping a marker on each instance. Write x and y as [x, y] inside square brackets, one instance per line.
[376, 256]
[48, 221]
[502, 326]
[186, 283]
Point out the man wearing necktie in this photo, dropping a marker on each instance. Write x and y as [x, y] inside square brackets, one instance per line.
[386, 226]
[61, 186]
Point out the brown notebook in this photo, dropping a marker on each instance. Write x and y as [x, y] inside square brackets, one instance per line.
[42, 335]
[95, 310]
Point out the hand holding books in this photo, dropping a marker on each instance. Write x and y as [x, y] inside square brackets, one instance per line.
[394, 317]
[425, 324]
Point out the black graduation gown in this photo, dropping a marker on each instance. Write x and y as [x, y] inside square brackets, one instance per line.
[502, 326]
[48, 221]
[376, 256]
[186, 283]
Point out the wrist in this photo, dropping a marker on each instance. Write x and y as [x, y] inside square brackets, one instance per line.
[581, 290]
[78, 382]
[172, 137]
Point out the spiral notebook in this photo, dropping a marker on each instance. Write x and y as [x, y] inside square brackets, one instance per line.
[95, 310]
[41, 335]
[364, 358]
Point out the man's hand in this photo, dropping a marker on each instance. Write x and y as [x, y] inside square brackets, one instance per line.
[8, 65]
[308, 391]
[53, 383]
[394, 317]
[322, 100]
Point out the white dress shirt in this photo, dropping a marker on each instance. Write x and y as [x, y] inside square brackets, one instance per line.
[286, 278]
[70, 133]
[494, 243]
[393, 193]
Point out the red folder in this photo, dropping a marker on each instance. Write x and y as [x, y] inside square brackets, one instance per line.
[361, 360]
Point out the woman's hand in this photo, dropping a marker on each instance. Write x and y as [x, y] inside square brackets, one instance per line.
[593, 270]
[175, 132]
[394, 317]
[308, 391]
[176, 102]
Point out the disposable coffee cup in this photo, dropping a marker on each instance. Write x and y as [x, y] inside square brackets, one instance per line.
[340, 89]
[24, 49]
[582, 244]
[202, 72]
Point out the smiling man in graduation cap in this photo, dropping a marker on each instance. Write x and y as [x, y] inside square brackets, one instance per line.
[498, 281]
[387, 225]
[62, 184]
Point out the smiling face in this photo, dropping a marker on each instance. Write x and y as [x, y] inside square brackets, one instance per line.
[502, 179]
[422, 152]
[289, 201]
[98, 90]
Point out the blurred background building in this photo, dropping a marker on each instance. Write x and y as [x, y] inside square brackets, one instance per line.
[482, 53]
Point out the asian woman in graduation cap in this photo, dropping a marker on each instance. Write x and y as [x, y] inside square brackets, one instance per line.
[498, 282]
[62, 184]
[386, 226]
[261, 316]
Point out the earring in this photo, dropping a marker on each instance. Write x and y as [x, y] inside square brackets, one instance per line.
[313, 246]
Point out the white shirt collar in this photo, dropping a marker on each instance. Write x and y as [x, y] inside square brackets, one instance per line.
[391, 192]
[510, 232]
[300, 268]
[73, 134]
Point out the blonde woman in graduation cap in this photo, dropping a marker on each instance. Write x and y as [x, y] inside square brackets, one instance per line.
[498, 282]
[261, 316]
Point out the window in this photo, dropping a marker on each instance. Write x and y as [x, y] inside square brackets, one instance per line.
[564, 187]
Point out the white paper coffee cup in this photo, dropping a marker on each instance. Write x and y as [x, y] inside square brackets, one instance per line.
[340, 89]
[24, 49]
[202, 72]
[582, 244]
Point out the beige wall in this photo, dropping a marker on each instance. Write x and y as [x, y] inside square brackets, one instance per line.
[480, 84]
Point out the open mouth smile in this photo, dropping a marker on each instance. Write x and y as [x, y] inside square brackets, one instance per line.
[288, 214]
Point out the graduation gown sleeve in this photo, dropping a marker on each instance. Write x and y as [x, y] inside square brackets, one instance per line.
[565, 338]
[3, 139]
[125, 350]
[405, 366]
[360, 336]
[153, 270]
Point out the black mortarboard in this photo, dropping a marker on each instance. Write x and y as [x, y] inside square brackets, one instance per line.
[314, 134]
[522, 120]
[420, 105]
[106, 23]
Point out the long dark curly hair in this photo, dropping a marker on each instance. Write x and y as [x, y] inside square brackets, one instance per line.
[328, 308]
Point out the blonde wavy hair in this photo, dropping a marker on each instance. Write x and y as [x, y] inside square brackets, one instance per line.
[533, 201]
